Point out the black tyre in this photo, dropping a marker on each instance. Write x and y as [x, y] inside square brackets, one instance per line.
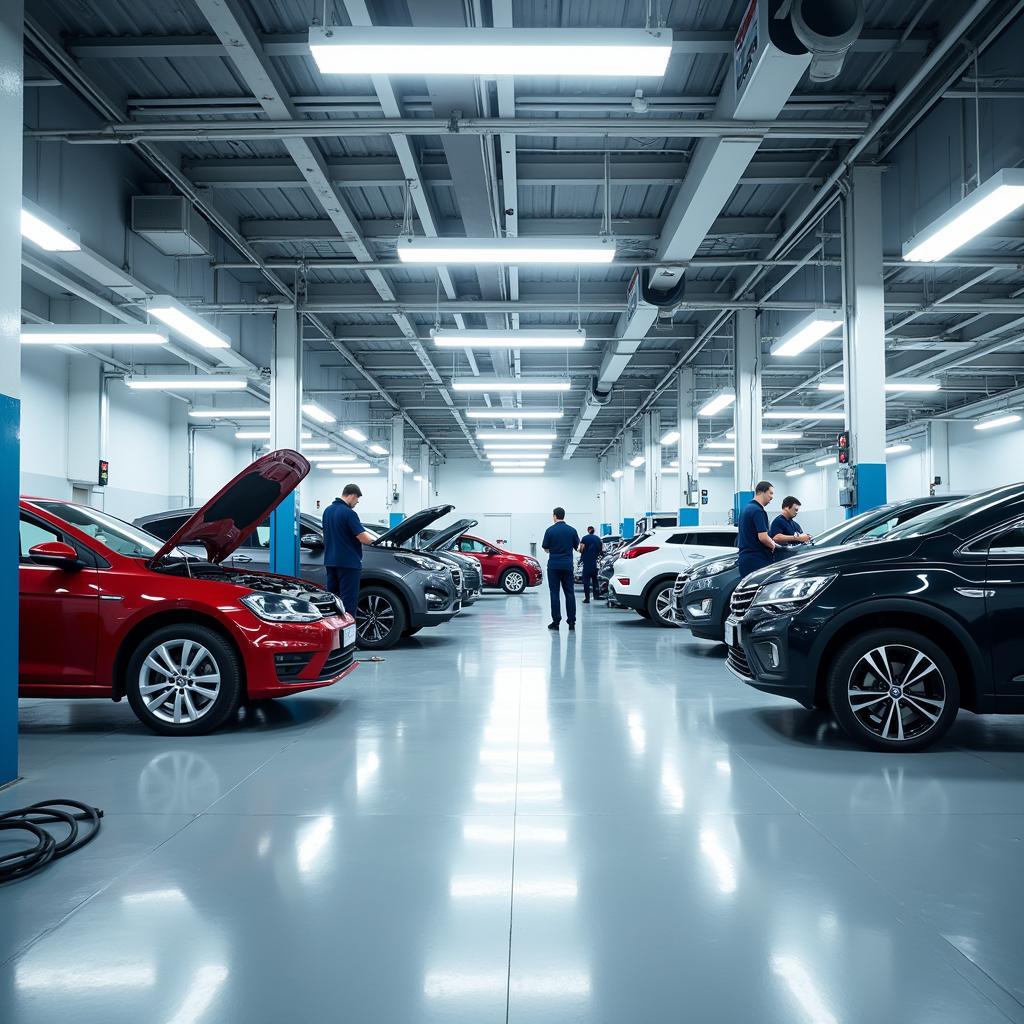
[184, 680]
[660, 608]
[412, 631]
[893, 689]
[643, 613]
[513, 581]
[380, 619]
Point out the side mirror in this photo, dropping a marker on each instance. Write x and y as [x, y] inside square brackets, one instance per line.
[56, 554]
[311, 541]
[492, 551]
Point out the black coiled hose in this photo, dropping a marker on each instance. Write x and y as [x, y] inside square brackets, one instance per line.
[44, 848]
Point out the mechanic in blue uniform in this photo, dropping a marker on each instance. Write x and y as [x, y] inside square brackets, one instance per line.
[344, 538]
[787, 533]
[757, 549]
[561, 542]
[590, 551]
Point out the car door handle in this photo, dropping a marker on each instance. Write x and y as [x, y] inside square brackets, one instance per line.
[974, 592]
[242, 558]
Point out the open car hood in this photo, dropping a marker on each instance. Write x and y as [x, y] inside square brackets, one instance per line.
[224, 522]
[411, 525]
[444, 537]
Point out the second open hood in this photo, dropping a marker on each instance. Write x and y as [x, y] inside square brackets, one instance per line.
[411, 525]
[445, 536]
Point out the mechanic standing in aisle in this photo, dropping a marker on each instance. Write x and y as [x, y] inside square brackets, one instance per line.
[561, 542]
[590, 551]
[344, 538]
[757, 549]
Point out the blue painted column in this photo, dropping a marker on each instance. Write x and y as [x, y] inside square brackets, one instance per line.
[11, 118]
[864, 339]
[749, 468]
[285, 432]
[686, 425]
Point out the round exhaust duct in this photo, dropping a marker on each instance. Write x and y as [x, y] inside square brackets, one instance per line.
[828, 28]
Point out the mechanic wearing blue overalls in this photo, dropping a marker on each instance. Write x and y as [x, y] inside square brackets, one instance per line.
[344, 538]
[590, 551]
[757, 549]
[561, 542]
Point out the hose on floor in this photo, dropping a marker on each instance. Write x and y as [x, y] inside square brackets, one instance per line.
[45, 847]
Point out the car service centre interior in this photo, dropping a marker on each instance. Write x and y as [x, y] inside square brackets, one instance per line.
[520, 511]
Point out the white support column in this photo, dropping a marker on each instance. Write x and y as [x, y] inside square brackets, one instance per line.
[938, 456]
[424, 474]
[285, 431]
[864, 339]
[396, 478]
[689, 515]
[749, 468]
[11, 121]
[85, 415]
[652, 464]
[628, 485]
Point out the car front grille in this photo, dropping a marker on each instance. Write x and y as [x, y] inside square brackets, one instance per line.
[336, 663]
[457, 578]
[324, 602]
[742, 599]
[738, 661]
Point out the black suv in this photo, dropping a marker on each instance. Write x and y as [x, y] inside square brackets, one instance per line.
[897, 635]
[701, 595]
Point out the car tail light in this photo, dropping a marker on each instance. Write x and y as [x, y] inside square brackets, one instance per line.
[638, 551]
[624, 581]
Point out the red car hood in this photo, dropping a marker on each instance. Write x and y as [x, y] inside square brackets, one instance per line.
[241, 505]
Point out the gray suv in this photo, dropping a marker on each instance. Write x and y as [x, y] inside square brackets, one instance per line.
[401, 589]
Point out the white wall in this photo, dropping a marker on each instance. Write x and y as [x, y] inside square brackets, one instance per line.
[44, 384]
[218, 457]
[983, 459]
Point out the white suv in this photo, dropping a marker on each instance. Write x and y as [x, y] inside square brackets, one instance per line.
[645, 572]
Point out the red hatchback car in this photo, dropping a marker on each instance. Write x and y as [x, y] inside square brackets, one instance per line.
[513, 573]
[108, 610]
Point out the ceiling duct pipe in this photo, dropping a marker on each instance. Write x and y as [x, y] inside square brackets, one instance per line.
[827, 29]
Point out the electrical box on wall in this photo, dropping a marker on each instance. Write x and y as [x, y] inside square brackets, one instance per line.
[103, 475]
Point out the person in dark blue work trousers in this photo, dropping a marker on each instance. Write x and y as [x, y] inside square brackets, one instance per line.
[344, 538]
[590, 551]
[757, 549]
[560, 542]
[787, 533]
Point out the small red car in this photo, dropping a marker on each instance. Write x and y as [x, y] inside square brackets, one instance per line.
[512, 572]
[108, 610]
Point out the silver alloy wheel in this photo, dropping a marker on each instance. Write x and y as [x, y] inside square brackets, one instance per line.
[896, 692]
[375, 618]
[663, 606]
[179, 681]
[514, 582]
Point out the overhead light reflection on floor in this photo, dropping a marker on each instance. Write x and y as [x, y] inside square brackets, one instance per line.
[520, 834]
[201, 994]
[801, 985]
[311, 845]
[719, 859]
[549, 984]
[81, 979]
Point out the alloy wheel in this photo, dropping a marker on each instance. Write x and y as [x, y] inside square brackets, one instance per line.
[514, 582]
[179, 681]
[375, 618]
[663, 606]
[896, 692]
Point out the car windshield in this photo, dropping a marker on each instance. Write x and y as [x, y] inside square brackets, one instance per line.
[849, 526]
[112, 533]
[942, 517]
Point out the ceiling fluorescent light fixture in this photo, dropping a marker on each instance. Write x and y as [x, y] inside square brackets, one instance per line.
[670, 438]
[796, 471]
[318, 413]
[378, 449]
[517, 446]
[803, 414]
[92, 334]
[617, 474]
[670, 470]
[773, 435]
[808, 332]
[831, 385]
[46, 236]
[229, 414]
[999, 421]
[418, 478]
[516, 456]
[637, 461]
[923, 386]
[405, 467]
[474, 251]
[186, 382]
[340, 457]
[725, 445]
[509, 471]
[895, 449]
[183, 321]
[988, 204]
[356, 471]
[717, 403]
[829, 460]
[514, 414]
[515, 435]
[490, 52]
[261, 435]
[508, 384]
[354, 435]
[710, 463]
[539, 338]
[316, 446]
[527, 464]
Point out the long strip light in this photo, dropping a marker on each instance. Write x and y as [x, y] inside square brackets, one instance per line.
[354, 434]
[187, 382]
[710, 463]
[730, 446]
[670, 438]
[489, 52]
[229, 414]
[670, 470]
[508, 384]
[509, 470]
[829, 460]
[796, 471]
[378, 449]
[517, 465]
[46, 235]
[515, 414]
[772, 435]
[999, 421]
[341, 457]
[541, 338]
[183, 321]
[515, 435]
[993, 200]
[803, 414]
[617, 474]
[517, 446]
[808, 332]
[405, 467]
[516, 456]
[717, 403]
[92, 334]
[895, 449]
[263, 435]
[318, 413]
[453, 251]
[356, 471]
[637, 461]
[922, 386]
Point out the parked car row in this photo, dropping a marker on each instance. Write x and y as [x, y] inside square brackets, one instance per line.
[892, 621]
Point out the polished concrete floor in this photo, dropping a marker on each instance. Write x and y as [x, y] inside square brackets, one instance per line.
[500, 824]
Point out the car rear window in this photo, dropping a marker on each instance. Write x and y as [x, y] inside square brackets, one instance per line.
[165, 528]
[719, 540]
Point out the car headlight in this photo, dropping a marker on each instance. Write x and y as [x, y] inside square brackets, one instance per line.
[418, 561]
[278, 608]
[712, 568]
[792, 593]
